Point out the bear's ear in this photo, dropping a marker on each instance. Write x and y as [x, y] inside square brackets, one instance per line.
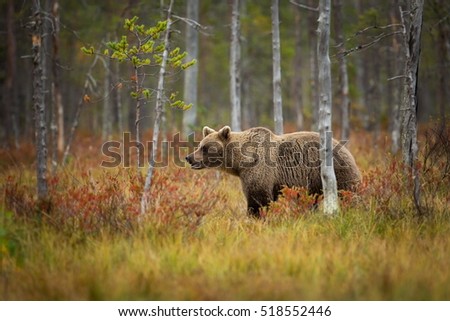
[207, 131]
[225, 132]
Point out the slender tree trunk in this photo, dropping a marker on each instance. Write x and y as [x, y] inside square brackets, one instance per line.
[26, 91]
[158, 113]
[297, 89]
[277, 96]
[53, 130]
[76, 119]
[38, 102]
[396, 93]
[235, 68]
[11, 117]
[443, 61]
[163, 122]
[326, 137]
[248, 110]
[343, 75]
[57, 118]
[191, 74]
[374, 101]
[117, 98]
[107, 112]
[137, 122]
[412, 24]
[361, 78]
[313, 66]
[57, 97]
[131, 114]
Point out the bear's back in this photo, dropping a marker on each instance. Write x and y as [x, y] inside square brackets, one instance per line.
[299, 163]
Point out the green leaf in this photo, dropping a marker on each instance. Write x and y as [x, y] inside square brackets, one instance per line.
[130, 23]
[160, 48]
[146, 93]
[89, 51]
[157, 59]
[174, 52]
[186, 107]
[189, 64]
[145, 62]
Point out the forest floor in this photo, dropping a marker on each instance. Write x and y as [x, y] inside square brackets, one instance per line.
[87, 243]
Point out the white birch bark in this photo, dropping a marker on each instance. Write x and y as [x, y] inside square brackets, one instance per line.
[158, 113]
[137, 125]
[191, 74]
[330, 203]
[277, 99]
[397, 69]
[235, 68]
[297, 90]
[57, 97]
[313, 66]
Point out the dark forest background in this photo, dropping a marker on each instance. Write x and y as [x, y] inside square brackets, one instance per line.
[373, 96]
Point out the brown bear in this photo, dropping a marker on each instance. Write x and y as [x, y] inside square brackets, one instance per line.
[266, 162]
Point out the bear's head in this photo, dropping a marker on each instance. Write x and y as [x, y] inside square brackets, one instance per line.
[210, 152]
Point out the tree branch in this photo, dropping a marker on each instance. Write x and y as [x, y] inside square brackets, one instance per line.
[303, 6]
[369, 44]
[194, 24]
[360, 32]
[397, 77]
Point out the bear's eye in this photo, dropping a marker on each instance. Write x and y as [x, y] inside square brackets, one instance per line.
[204, 149]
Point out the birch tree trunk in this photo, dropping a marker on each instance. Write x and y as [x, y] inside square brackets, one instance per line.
[298, 67]
[57, 97]
[313, 66]
[330, 204]
[191, 74]
[396, 93]
[158, 113]
[137, 121]
[277, 99]
[343, 75]
[248, 107]
[235, 68]
[38, 102]
[412, 27]
[361, 76]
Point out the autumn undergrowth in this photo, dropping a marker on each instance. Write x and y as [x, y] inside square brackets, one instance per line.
[88, 242]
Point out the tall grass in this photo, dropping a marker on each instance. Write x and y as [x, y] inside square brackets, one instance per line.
[198, 244]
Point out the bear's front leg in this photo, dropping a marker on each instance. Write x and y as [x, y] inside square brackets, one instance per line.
[256, 199]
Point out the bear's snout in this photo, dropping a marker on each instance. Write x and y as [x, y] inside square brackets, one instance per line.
[194, 163]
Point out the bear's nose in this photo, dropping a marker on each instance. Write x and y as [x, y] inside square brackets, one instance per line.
[189, 158]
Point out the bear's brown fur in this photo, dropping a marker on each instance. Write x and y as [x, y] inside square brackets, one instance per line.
[266, 162]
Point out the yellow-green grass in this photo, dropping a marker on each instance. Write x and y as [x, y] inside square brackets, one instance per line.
[354, 256]
[197, 242]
